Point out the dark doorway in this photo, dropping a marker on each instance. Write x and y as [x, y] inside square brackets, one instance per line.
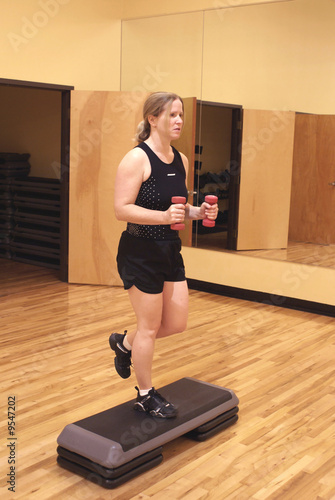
[217, 170]
[33, 192]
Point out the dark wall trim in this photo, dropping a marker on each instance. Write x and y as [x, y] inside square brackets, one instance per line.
[220, 104]
[64, 185]
[264, 298]
[34, 85]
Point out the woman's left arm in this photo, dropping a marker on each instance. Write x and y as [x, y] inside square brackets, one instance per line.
[205, 210]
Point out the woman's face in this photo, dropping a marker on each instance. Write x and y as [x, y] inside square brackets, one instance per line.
[170, 121]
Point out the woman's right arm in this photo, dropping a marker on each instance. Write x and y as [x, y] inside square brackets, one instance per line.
[130, 174]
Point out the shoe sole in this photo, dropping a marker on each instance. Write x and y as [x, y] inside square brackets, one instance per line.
[118, 372]
[113, 345]
[112, 342]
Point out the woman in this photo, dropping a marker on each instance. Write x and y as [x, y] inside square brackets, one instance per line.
[149, 259]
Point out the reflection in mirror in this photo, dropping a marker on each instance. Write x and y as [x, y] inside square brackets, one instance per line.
[215, 164]
[263, 70]
[312, 202]
[217, 171]
[300, 253]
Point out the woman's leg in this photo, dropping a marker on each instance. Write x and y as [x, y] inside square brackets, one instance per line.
[148, 309]
[158, 315]
[175, 308]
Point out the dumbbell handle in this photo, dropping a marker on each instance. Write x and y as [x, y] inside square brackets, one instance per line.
[178, 226]
[211, 199]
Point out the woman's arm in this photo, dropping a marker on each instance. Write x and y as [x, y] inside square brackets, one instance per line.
[205, 210]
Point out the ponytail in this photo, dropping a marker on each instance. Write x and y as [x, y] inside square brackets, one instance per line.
[143, 131]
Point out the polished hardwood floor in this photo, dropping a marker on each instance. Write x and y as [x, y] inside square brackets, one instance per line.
[298, 252]
[56, 363]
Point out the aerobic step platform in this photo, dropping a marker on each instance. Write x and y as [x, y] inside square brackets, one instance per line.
[116, 445]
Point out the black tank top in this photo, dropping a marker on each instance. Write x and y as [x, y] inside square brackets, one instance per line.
[166, 180]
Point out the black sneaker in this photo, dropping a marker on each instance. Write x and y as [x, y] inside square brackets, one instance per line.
[122, 359]
[155, 405]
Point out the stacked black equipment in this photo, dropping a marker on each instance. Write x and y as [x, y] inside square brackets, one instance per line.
[36, 234]
[6, 216]
[12, 166]
[29, 214]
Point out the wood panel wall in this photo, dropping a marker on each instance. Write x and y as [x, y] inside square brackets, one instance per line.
[313, 197]
[265, 188]
[103, 126]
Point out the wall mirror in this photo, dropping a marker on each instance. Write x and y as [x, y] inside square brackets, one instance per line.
[262, 57]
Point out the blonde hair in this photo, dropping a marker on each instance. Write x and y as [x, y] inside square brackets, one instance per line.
[154, 105]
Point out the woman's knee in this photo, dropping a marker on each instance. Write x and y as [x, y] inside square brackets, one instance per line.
[147, 332]
[180, 326]
[167, 329]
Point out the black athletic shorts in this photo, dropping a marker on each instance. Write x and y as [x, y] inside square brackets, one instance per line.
[147, 263]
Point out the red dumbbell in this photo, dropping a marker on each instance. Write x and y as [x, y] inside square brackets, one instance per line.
[178, 226]
[211, 199]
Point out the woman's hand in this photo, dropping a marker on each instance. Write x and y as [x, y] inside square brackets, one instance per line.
[175, 213]
[209, 211]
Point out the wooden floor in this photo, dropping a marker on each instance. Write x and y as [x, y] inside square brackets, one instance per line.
[298, 252]
[57, 364]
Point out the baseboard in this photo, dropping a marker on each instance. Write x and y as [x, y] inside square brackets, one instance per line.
[262, 297]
